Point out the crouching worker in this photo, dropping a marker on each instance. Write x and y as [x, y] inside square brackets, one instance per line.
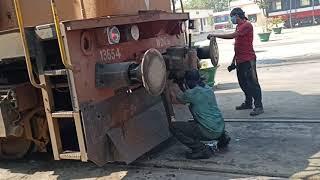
[208, 123]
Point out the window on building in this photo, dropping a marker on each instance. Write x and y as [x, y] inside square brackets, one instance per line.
[305, 3]
[276, 5]
[252, 18]
[285, 4]
[221, 19]
[316, 2]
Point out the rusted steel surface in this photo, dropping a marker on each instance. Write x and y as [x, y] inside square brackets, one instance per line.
[84, 66]
[15, 103]
[74, 9]
[27, 97]
[36, 12]
[85, 56]
[123, 127]
[11, 46]
[24, 95]
[119, 127]
[142, 17]
[98, 8]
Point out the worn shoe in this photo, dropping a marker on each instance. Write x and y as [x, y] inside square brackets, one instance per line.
[223, 141]
[244, 106]
[257, 111]
[204, 154]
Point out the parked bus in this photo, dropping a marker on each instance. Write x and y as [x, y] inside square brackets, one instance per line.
[221, 20]
[302, 12]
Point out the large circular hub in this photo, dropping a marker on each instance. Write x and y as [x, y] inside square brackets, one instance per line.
[153, 72]
[210, 52]
[214, 51]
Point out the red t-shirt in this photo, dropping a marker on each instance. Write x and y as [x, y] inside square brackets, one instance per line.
[243, 43]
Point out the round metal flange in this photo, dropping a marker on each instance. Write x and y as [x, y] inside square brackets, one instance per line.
[153, 72]
[14, 147]
[214, 51]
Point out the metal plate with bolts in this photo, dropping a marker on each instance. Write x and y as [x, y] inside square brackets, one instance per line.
[124, 127]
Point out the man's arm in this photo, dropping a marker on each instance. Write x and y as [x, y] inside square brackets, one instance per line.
[224, 36]
[234, 60]
[176, 92]
[232, 65]
[241, 31]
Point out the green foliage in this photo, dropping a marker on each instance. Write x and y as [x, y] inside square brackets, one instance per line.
[264, 5]
[210, 21]
[268, 26]
[215, 5]
[276, 21]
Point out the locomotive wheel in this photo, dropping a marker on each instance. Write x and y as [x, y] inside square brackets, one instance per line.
[14, 147]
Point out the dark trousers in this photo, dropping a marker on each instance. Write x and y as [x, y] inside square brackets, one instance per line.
[191, 134]
[248, 81]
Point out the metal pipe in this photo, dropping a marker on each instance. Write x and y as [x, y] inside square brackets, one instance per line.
[290, 15]
[64, 58]
[313, 18]
[190, 40]
[83, 11]
[185, 32]
[182, 7]
[173, 6]
[25, 45]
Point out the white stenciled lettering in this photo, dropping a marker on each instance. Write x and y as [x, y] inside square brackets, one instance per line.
[163, 42]
[108, 55]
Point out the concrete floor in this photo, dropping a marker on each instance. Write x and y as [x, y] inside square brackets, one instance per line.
[288, 69]
[276, 149]
[291, 92]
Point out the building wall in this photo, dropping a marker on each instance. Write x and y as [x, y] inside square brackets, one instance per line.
[251, 9]
[202, 20]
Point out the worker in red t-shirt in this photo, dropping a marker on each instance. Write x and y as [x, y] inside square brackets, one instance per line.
[244, 61]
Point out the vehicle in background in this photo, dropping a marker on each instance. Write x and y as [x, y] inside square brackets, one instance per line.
[301, 12]
[221, 20]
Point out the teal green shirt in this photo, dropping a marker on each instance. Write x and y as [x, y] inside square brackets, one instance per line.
[204, 107]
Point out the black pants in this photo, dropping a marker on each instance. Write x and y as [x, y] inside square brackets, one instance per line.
[191, 134]
[248, 81]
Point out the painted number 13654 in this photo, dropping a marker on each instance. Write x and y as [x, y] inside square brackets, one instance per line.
[108, 55]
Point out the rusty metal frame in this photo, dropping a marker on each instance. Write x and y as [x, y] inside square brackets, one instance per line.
[137, 115]
[143, 17]
[123, 127]
[115, 121]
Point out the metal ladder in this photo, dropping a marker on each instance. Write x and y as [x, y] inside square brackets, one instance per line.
[52, 116]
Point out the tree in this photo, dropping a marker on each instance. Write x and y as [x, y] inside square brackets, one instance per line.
[264, 5]
[215, 5]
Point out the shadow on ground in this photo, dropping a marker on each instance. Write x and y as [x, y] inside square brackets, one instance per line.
[270, 149]
[226, 86]
[277, 104]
